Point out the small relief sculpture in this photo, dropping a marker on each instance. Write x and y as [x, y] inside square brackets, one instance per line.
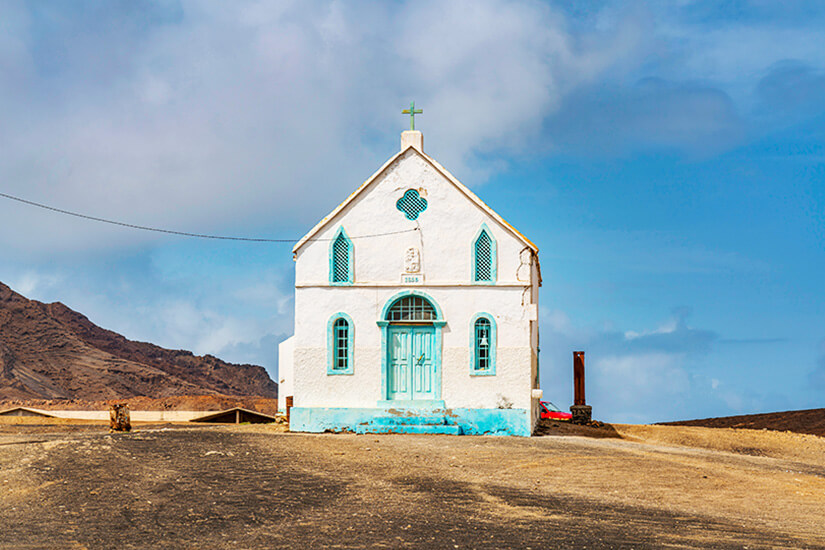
[412, 260]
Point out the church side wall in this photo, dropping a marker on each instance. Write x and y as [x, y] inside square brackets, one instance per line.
[286, 376]
[535, 340]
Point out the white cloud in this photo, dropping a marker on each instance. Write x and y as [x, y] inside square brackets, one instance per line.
[266, 293]
[668, 327]
[218, 109]
[646, 375]
[639, 386]
[31, 283]
[557, 320]
[185, 325]
[216, 116]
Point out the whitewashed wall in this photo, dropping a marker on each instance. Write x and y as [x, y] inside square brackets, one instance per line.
[313, 388]
[286, 378]
[448, 228]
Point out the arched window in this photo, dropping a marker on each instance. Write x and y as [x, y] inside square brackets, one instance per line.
[340, 339]
[483, 345]
[340, 259]
[412, 308]
[484, 256]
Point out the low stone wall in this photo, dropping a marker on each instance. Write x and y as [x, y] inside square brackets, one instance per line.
[135, 416]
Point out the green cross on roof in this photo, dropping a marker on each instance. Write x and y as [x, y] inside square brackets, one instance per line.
[412, 111]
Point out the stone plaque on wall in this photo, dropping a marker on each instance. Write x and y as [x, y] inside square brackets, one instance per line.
[412, 278]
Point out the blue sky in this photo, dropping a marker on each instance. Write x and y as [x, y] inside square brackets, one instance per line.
[666, 157]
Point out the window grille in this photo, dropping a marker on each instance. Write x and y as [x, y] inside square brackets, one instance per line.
[483, 341]
[340, 337]
[484, 257]
[340, 259]
[412, 308]
[411, 204]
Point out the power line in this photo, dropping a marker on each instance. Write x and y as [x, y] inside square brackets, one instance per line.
[182, 233]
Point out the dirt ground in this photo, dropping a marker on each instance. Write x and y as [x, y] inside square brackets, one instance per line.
[74, 485]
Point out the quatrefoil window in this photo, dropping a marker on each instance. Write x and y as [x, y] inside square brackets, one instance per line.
[411, 204]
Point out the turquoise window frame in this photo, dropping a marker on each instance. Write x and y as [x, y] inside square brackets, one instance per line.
[350, 259]
[331, 344]
[384, 325]
[493, 257]
[474, 371]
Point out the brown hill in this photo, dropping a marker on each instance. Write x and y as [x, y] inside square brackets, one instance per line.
[809, 421]
[48, 351]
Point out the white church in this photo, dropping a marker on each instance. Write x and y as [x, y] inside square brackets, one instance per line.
[416, 311]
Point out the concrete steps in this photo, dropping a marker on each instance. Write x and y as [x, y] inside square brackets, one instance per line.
[444, 429]
[409, 423]
[428, 419]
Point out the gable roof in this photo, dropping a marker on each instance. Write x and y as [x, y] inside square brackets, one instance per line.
[438, 168]
[236, 415]
[25, 411]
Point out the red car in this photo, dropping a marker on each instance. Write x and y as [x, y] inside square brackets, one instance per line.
[549, 410]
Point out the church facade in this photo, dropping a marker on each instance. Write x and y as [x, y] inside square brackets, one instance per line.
[416, 311]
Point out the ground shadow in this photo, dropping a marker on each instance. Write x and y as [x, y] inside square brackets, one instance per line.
[597, 430]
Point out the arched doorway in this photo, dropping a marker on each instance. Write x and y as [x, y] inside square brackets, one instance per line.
[411, 346]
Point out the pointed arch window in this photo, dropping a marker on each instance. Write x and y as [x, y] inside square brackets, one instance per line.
[483, 345]
[340, 344]
[484, 256]
[341, 259]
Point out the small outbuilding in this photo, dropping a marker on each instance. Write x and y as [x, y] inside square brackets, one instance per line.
[235, 415]
[26, 411]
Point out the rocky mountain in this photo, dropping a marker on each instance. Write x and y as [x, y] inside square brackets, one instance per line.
[48, 351]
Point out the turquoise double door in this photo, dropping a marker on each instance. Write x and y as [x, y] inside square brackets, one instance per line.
[412, 363]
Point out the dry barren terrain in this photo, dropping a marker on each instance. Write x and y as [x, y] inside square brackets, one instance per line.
[808, 421]
[74, 485]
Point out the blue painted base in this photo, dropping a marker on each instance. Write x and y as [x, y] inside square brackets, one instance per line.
[406, 420]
